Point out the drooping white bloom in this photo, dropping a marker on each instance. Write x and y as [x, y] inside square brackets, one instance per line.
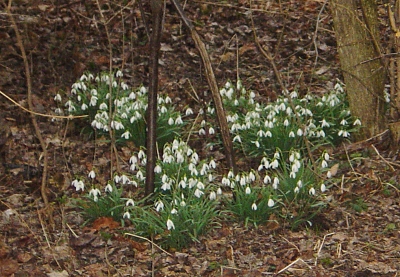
[170, 224]
[271, 203]
[324, 164]
[189, 111]
[291, 134]
[57, 98]
[219, 191]
[130, 202]
[267, 179]
[159, 206]
[108, 188]
[254, 207]
[326, 156]
[311, 191]
[275, 183]
[92, 174]
[174, 211]
[127, 215]
[323, 188]
[95, 193]
[78, 184]
[211, 131]
[357, 122]
[248, 190]
[198, 193]
[157, 169]
[126, 135]
[213, 195]
[299, 132]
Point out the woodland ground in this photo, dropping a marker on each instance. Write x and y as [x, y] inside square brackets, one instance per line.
[358, 235]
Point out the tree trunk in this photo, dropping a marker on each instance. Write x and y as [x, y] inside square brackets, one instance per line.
[359, 51]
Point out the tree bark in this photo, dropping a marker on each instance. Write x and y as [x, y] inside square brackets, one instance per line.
[359, 53]
[151, 139]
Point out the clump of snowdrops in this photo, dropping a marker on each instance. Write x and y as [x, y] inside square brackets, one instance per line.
[185, 199]
[113, 106]
[288, 182]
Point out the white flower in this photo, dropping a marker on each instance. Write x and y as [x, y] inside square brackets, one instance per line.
[211, 131]
[213, 195]
[267, 179]
[274, 164]
[343, 122]
[103, 106]
[130, 202]
[92, 174]
[296, 190]
[95, 193]
[84, 107]
[189, 111]
[159, 206]
[108, 188]
[311, 191]
[202, 132]
[78, 184]
[357, 122]
[286, 123]
[119, 73]
[127, 215]
[170, 224]
[171, 121]
[276, 183]
[248, 190]
[324, 123]
[157, 169]
[271, 203]
[300, 184]
[93, 100]
[219, 191]
[343, 133]
[178, 120]
[126, 135]
[198, 193]
[299, 132]
[291, 134]
[329, 174]
[254, 207]
[237, 138]
[323, 188]
[174, 211]
[326, 156]
[57, 98]
[324, 164]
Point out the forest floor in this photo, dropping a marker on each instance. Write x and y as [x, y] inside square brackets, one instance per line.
[359, 233]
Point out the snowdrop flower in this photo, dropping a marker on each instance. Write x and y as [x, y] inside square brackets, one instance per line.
[198, 193]
[291, 134]
[326, 156]
[274, 164]
[254, 207]
[159, 206]
[237, 138]
[343, 133]
[166, 186]
[174, 211]
[267, 179]
[108, 188]
[324, 123]
[211, 131]
[130, 202]
[357, 122]
[213, 195]
[95, 193]
[141, 154]
[323, 188]
[276, 183]
[271, 203]
[343, 122]
[127, 215]
[92, 174]
[299, 132]
[296, 190]
[126, 135]
[248, 190]
[286, 123]
[93, 101]
[57, 98]
[311, 191]
[202, 132]
[226, 182]
[189, 111]
[219, 191]
[268, 134]
[157, 169]
[78, 184]
[125, 179]
[103, 106]
[178, 120]
[170, 224]
[329, 174]
[324, 164]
